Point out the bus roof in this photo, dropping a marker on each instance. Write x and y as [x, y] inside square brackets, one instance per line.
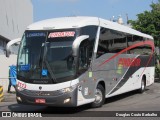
[81, 21]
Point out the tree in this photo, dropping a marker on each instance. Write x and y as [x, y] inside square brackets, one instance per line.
[149, 22]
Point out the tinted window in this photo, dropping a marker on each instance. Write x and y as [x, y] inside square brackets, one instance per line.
[89, 30]
[120, 42]
[111, 41]
[133, 41]
[147, 49]
[92, 32]
[85, 54]
[86, 47]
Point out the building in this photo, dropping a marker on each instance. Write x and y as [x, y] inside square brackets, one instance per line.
[15, 16]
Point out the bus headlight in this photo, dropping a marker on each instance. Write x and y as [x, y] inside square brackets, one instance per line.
[69, 89]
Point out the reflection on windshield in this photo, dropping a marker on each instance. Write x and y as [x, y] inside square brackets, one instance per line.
[45, 58]
[59, 57]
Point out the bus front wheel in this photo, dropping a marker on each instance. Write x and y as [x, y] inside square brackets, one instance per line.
[99, 97]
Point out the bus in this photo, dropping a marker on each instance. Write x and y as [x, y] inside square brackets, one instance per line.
[72, 61]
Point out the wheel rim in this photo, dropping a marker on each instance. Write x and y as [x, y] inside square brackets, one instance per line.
[98, 96]
[143, 86]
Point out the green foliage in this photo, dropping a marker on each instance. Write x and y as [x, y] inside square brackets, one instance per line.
[157, 71]
[157, 66]
[149, 22]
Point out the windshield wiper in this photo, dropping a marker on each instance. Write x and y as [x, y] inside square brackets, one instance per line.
[40, 56]
[46, 62]
[50, 71]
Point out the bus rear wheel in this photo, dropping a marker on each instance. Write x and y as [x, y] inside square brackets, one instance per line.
[99, 97]
[143, 85]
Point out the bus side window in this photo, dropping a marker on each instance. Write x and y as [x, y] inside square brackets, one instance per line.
[130, 43]
[85, 54]
[105, 42]
[138, 49]
[147, 49]
[133, 40]
[111, 41]
[102, 48]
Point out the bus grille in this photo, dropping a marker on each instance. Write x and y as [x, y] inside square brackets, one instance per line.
[42, 93]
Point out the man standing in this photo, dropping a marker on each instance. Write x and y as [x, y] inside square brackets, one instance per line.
[12, 77]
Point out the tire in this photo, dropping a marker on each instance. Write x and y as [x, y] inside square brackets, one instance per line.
[143, 85]
[99, 97]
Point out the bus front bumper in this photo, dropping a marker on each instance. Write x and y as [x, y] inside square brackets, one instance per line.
[68, 99]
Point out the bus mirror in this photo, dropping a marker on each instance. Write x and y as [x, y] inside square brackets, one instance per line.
[8, 52]
[77, 42]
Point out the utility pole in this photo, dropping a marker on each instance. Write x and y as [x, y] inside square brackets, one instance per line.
[127, 18]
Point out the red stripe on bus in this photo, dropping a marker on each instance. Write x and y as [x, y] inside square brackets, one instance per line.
[131, 47]
[152, 45]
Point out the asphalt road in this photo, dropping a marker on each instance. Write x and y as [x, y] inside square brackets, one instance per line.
[132, 101]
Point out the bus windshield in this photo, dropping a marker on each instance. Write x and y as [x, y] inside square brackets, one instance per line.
[46, 57]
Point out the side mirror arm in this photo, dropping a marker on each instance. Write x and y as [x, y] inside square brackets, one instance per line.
[9, 44]
[77, 42]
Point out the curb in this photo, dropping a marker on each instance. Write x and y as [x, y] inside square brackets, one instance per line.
[1, 94]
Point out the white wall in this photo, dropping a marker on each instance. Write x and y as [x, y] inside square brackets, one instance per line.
[5, 63]
[4, 69]
[15, 16]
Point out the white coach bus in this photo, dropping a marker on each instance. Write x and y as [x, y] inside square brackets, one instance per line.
[73, 61]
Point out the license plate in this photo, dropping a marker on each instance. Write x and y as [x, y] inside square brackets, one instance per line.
[41, 101]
